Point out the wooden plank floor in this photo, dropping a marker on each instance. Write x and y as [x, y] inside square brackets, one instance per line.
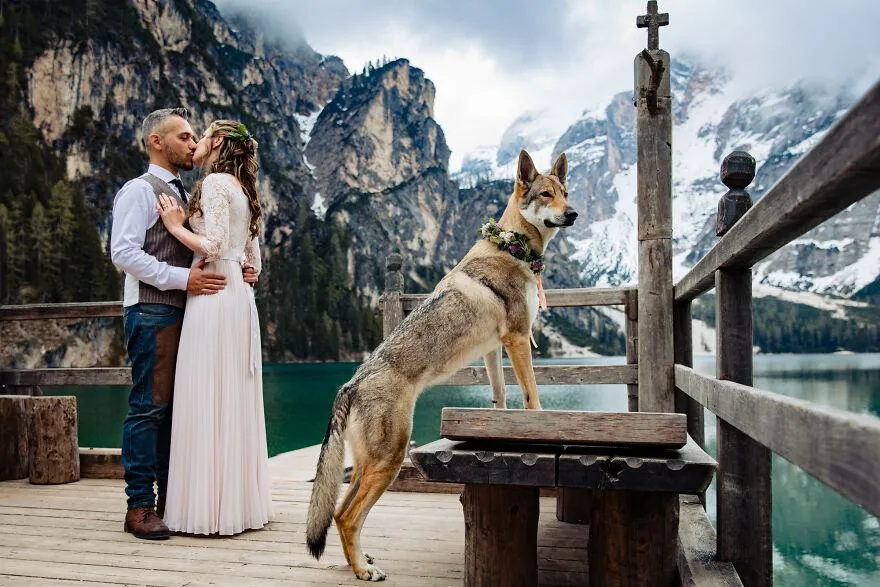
[72, 535]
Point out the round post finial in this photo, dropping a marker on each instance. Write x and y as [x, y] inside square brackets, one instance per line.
[393, 262]
[393, 275]
[737, 172]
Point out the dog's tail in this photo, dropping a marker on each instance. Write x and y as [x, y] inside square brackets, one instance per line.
[328, 478]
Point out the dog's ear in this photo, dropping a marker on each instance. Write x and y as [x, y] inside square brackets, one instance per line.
[560, 168]
[525, 169]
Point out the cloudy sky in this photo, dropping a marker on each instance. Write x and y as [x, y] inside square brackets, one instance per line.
[492, 60]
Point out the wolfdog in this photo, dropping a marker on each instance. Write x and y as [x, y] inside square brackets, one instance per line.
[487, 301]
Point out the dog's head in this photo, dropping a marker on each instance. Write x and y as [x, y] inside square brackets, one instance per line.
[543, 199]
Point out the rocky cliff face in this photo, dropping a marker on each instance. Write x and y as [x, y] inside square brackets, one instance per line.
[183, 52]
[381, 167]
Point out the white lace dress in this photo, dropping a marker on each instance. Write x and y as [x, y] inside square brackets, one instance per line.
[218, 479]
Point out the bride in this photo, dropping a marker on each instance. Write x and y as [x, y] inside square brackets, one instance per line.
[218, 480]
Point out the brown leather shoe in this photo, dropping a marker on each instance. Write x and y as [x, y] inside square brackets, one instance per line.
[160, 506]
[144, 523]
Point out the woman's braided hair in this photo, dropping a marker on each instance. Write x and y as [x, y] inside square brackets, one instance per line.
[237, 156]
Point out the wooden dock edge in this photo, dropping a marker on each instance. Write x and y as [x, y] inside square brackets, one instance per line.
[106, 463]
[697, 555]
[100, 463]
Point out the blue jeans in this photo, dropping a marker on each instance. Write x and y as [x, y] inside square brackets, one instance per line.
[152, 334]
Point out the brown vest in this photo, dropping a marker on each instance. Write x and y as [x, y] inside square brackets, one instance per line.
[160, 244]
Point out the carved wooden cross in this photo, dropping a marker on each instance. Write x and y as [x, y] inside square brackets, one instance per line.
[653, 21]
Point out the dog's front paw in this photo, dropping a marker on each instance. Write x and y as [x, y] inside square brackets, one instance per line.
[370, 573]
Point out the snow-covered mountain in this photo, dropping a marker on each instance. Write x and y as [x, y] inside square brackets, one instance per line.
[712, 117]
[532, 131]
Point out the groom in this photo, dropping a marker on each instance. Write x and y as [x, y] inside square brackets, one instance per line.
[158, 276]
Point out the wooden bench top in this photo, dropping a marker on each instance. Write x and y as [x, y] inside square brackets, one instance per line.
[686, 470]
[565, 427]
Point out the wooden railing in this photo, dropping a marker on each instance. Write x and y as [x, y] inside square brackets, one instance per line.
[30, 380]
[395, 305]
[63, 311]
[545, 374]
[841, 449]
[556, 298]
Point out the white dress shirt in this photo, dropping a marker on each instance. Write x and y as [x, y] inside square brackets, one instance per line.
[134, 212]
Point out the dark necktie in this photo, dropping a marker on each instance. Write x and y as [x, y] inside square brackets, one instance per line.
[179, 185]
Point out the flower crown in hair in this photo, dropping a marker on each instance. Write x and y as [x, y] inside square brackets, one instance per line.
[241, 133]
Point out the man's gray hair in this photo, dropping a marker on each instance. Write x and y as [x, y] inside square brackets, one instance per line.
[156, 118]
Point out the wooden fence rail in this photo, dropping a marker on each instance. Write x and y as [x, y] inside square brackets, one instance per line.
[51, 311]
[544, 374]
[555, 375]
[841, 169]
[65, 376]
[556, 298]
[839, 448]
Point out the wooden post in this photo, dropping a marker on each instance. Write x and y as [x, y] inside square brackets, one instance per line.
[574, 505]
[3, 284]
[14, 422]
[633, 539]
[501, 535]
[745, 535]
[392, 305]
[653, 100]
[631, 311]
[684, 355]
[52, 440]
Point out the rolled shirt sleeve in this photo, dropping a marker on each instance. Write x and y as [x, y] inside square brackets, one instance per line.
[134, 212]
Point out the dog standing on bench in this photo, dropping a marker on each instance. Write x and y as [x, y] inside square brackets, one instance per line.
[488, 300]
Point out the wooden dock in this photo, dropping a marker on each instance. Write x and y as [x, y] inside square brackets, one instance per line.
[72, 535]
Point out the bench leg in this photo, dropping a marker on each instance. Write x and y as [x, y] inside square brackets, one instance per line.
[573, 505]
[633, 539]
[501, 535]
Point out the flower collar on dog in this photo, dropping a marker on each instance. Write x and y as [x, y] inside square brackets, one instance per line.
[514, 243]
[517, 245]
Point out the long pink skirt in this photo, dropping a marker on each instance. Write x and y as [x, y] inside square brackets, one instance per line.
[218, 478]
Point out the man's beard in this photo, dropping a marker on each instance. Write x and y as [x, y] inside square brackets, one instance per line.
[185, 163]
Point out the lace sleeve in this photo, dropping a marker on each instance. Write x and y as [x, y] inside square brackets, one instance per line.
[215, 207]
[252, 254]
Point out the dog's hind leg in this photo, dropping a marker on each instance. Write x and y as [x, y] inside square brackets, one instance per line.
[517, 347]
[353, 484]
[495, 371]
[373, 479]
